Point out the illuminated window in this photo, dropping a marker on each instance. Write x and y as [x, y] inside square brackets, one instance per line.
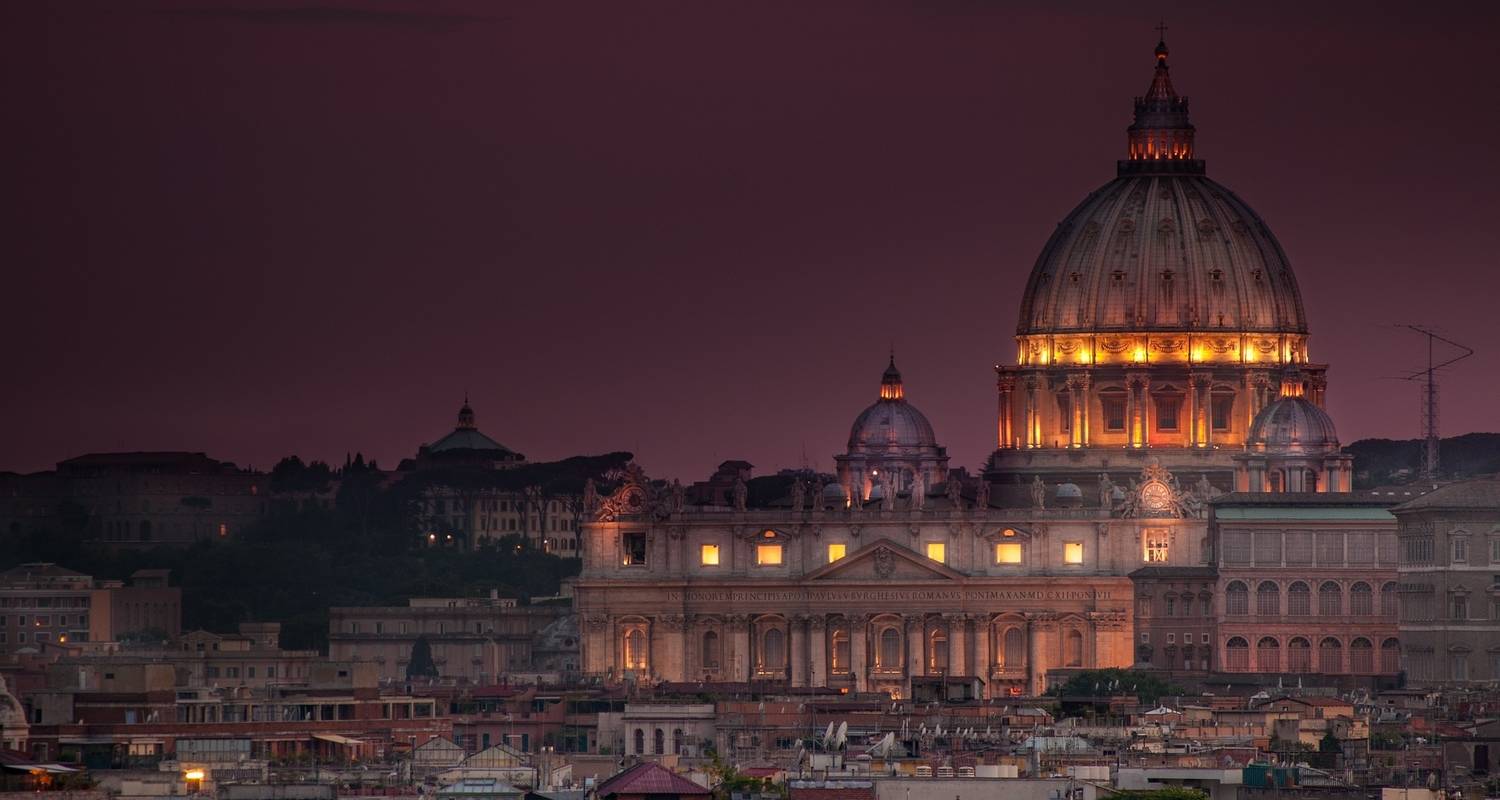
[938, 552]
[635, 549]
[708, 555]
[1156, 546]
[768, 555]
[1008, 553]
[1065, 413]
[1072, 552]
[837, 551]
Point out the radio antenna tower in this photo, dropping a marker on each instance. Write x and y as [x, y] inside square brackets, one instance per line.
[1428, 377]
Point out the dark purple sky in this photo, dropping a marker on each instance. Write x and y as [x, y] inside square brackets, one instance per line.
[689, 230]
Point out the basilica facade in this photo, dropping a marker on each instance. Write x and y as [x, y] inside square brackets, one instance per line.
[1162, 368]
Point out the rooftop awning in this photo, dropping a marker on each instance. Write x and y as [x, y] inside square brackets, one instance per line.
[337, 739]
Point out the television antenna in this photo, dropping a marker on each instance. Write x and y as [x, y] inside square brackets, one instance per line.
[1428, 377]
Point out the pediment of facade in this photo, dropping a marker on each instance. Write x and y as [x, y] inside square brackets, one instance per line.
[884, 560]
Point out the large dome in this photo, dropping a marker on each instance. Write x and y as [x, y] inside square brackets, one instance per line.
[1162, 253]
[1162, 248]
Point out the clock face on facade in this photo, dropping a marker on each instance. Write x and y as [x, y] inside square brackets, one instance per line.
[1156, 496]
[634, 499]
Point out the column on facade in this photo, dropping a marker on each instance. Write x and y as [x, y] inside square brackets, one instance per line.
[817, 638]
[798, 658]
[1005, 432]
[1033, 411]
[958, 640]
[1036, 670]
[741, 664]
[1078, 403]
[982, 658]
[859, 654]
[1257, 387]
[916, 641]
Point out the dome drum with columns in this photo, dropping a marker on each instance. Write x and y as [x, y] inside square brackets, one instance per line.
[1161, 318]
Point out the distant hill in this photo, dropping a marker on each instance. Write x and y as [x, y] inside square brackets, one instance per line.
[1385, 461]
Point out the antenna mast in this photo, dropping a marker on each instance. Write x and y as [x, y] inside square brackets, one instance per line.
[1428, 377]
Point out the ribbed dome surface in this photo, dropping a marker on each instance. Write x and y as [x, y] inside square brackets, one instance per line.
[1292, 425]
[1162, 252]
[890, 425]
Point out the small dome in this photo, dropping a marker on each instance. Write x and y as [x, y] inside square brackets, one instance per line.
[1069, 490]
[1293, 425]
[833, 491]
[890, 424]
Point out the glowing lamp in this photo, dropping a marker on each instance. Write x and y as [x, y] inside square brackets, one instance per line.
[193, 775]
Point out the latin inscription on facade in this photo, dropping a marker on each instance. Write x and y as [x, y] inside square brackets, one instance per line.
[880, 595]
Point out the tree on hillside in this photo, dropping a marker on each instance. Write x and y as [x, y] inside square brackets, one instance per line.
[1146, 687]
[421, 664]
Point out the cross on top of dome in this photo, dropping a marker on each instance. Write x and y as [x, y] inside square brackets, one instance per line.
[1161, 131]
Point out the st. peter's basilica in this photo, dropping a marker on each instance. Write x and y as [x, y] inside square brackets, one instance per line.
[1162, 364]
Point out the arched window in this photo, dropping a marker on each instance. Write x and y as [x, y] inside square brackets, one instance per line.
[1237, 655]
[640, 742]
[840, 650]
[677, 741]
[1388, 600]
[937, 651]
[1013, 656]
[1330, 656]
[1075, 649]
[1361, 600]
[1390, 656]
[1268, 599]
[711, 650]
[660, 741]
[1268, 655]
[1237, 599]
[1298, 655]
[1361, 656]
[1298, 600]
[888, 657]
[1330, 600]
[773, 650]
[635, 649]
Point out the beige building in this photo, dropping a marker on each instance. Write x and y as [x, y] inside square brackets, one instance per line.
[476, 639]
[1449, 550]
[42, 604]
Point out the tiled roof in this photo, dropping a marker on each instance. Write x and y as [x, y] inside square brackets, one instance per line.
[1465, 494]
[649, 777]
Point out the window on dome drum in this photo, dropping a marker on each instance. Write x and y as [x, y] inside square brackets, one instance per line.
[1065, 413]
[708, 555]
[837, 551]
[634, 545]
[1072, 552]
[1222, 410]
[937, 551]
[768, 555]
[1167, 406]
[1157, 542]
[1112, 404]
[1008, 553]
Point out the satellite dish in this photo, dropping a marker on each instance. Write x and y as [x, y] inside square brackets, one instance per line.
[828, 736]
[843, 735]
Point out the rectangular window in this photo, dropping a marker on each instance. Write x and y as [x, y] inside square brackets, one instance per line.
[1460, 550]
[837, 551]
[1166, 412]
[1171, 638]
[270, 672]
[1072, 552]
[1065, 413]
[1223, 411]
[1171, 606]
[708, 555]
[1112, 405]
[635, 549]
[1268, 549]
[1008, 553]
[768, 555]
[1157, 542]
[1237, 547]
[937, 551]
